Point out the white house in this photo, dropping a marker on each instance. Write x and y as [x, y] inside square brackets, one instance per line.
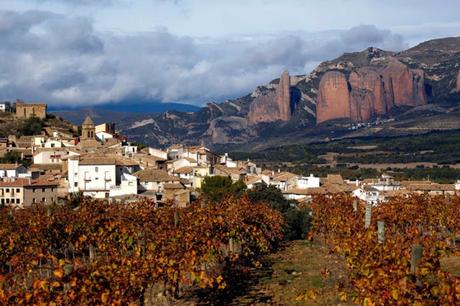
[11, 170]
[227, 161]
[5, 107]
[101, 177]
[53, 143]
[308, 182]
[158, 153]
[52, 156]
[103, 136]
[368, 194]
[154, 180]
[128, 149]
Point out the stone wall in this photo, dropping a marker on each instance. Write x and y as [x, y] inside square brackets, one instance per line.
[26, 111]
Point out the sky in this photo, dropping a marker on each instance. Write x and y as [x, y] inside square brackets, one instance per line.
[87, 52]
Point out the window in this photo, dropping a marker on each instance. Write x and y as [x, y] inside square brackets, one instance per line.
[33, 200]
[43, 189]
[96, 169]
[7, 189]
[18, 190]
[33, 190]
[43, 200]
[7, 201]
[2, 201]
[75, 184]
[17, 201]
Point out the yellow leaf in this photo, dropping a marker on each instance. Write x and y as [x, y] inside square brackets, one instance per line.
[58, 273]
[368, 302]
[343, 297]
[394, 294]
[105, 297]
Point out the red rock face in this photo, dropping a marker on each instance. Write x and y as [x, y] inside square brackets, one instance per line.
[362, 107]
[333, 97]
[369, 79]
[273, 106]
[369, 91]
[403, 85]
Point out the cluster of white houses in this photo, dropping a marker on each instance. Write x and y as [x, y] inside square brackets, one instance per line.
[102, 164]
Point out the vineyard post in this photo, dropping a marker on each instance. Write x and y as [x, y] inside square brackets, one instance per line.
[381, 232]
[368, 215]
[416, 255]
[176, 218]
[355, 205]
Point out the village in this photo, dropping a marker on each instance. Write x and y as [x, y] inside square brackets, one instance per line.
[102, 164]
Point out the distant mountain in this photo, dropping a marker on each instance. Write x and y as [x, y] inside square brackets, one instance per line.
[126, 110]
[372, 92]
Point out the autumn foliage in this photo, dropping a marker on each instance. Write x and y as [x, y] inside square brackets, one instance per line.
[102, 253]
[380, 273]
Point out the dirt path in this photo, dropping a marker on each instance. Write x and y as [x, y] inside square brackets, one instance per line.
[301, 274]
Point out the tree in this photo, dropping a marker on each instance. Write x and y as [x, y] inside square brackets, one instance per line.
[14, 157]
[297, 219]
[32, 126]
[215, 188]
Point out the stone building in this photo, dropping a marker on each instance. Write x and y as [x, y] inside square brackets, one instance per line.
[88, 129]
[25, 192]
[29, 110]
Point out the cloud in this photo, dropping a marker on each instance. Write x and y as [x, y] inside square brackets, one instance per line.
[64, 60]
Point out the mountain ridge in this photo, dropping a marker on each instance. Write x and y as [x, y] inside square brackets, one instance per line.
[425, 74]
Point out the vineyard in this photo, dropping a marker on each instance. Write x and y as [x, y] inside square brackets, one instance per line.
[394, 259]
[102, 253]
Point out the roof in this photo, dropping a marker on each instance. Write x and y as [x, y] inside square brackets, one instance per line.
[283, 176]
[23, 182]
[88, 121]
[45, 167]
[184, 170]
[174, 186]
[99, 160]
[9, 166]
[335, 179]
[250, 179]
[307, 191]
[227, 170]
[155, 175]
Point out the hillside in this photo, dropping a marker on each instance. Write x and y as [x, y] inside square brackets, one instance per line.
[10, 125]
[363, 93]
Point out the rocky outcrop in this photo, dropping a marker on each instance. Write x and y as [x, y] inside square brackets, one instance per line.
[274, 105]
[403, 85]
[362, 107]
[333, 97]
[369, 91]
[369, 79]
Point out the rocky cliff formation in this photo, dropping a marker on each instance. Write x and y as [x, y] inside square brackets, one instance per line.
[358, 86]
[333, 97]
[369, 91]
[274, 106]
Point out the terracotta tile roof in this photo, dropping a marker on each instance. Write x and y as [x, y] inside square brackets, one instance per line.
[174, 186]
[228, 171]
[23, 182]
[184, 170]
[283, 176]
[9, 166]
[252, 179]
[334, 179]
[57, 167]
[308, 191]
[155, 175]
[109, 160]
